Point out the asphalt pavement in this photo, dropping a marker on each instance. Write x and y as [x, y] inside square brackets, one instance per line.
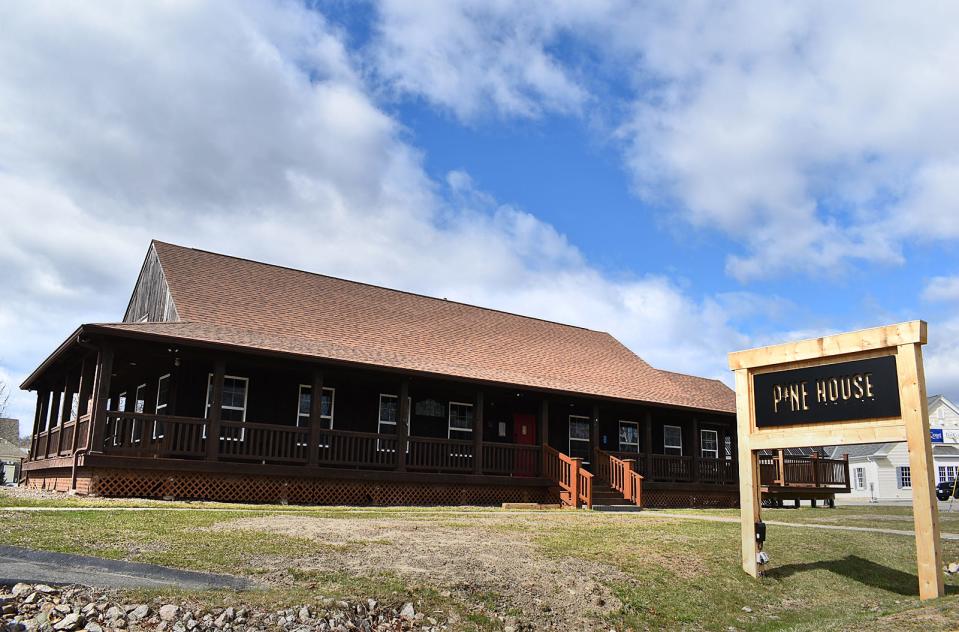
[43, 567]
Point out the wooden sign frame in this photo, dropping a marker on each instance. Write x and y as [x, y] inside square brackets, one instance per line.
[903, 341]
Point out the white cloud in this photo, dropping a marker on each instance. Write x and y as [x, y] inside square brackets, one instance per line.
[242, 127]
[475, 55]
[815, 136]
[943, 288]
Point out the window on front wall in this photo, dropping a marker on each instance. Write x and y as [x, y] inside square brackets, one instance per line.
[673, 440]
[628, 436]
[138, 407]
[904, 477]
[163, 398]
[709, 444]
[460, 421]
[306, 401]
[948, 473]
[232, 407]
[579, 437]
[389, 413]
[859, 476]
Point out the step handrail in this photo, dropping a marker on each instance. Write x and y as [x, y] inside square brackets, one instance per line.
[575, 483]
[621, 475]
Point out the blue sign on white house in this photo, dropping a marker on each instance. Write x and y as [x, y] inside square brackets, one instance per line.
[935, 435]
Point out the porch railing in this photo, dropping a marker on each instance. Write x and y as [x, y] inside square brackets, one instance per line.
[575, 483]
[782, 470]
[620, 475]
[166, 436]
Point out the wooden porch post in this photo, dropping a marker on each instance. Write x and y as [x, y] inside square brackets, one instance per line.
[697, 452]
[478, 433]
[53, 416]
[628, 479]
[316, 413]
[595, 430]
[402, 425]
[544, 423]
[101, 393]
[69, 389]
[649, 445]
[216, 410]
[172, 387]
[574, 465]
[815, 468]
[781, 467]
[83, 397]
[38, 416]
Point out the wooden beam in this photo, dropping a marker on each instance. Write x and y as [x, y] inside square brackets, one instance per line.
[39, 416]
[697, 452]
[402, 425]
[836, 433]
[594, 429]
[912, 332]
[648, 440]
[316, 414]
[216, 411]
[478, 406]
[925, 507]
[544, 422]
[749, 490]
[101, 393]
[83, 389]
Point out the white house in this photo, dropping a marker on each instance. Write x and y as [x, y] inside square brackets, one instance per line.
[880, 471]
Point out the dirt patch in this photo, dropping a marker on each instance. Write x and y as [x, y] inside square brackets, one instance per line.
[477, 564]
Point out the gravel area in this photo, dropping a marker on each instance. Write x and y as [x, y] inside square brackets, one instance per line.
[44, 608]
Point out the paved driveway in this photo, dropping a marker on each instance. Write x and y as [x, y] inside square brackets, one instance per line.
[36, 567]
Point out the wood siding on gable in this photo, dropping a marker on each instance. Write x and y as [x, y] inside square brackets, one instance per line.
[151, 298]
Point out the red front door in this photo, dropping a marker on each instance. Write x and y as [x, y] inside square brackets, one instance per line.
[524, 432]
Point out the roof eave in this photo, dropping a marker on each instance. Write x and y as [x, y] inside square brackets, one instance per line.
[52, 358]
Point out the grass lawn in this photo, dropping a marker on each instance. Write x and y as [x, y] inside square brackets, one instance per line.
[575, 569]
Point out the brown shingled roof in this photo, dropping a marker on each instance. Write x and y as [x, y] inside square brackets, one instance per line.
[237, 302]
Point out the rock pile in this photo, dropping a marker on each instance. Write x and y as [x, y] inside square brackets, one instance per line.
[42, 608]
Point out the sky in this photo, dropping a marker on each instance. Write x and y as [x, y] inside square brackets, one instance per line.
[695, 178]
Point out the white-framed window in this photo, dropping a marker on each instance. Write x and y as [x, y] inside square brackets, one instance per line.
[121, 407]
[306, 401]
[709, 444]
[140, 402]
[948, 473]
[139, 405]
[904, 477]
[163, 399]
[233, 405]
[389, 413]
[673, 440]
[859, 477]
[460, 421]
[579, 437]
[628, 436]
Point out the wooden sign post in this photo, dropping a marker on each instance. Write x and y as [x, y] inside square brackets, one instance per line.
[861, 387]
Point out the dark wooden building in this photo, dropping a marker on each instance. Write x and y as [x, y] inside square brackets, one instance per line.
[230, 379]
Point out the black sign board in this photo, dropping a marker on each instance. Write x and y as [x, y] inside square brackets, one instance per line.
[845, 391]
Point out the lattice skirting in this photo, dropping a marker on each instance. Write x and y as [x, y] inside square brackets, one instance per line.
[671, 499]
[245, 488]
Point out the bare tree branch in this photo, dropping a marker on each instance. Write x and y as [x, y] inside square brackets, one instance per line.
[4, 397]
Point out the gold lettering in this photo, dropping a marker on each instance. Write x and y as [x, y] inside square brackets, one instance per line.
[833, 389]
[777, 397]
[805, 397]
[857, 386]
[794, 397]
[869, 386]
[820, 391]
[846, 386]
